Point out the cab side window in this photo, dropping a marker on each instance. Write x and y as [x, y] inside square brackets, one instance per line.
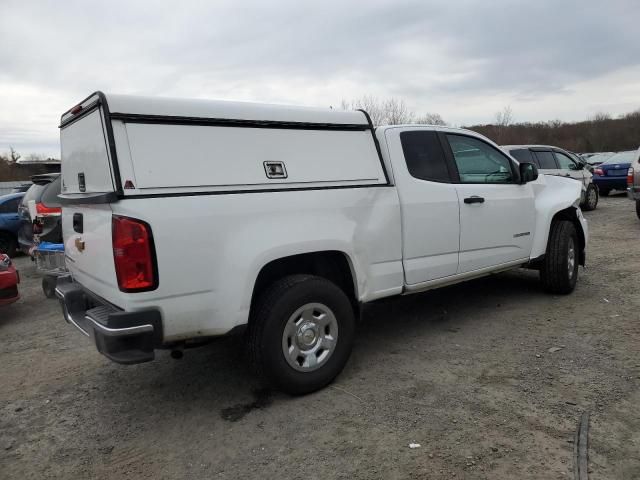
[424, 156]
[479, 162]
[565, 162]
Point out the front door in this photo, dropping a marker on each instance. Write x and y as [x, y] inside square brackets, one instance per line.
[497, 213]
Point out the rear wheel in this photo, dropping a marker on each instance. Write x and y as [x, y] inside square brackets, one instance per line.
[559, 271]
[638, 208]
[590, 198]
[301, 333]
[8, 244]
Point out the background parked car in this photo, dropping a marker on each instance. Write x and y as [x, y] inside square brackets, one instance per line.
[9, 222]
[612, 174]
[556, 161]
[44, 195]
[9, 280]
[598, 158]
[633, 181]
[21, 188]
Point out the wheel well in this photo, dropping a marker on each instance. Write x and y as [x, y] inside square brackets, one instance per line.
[571, 215]
[332, 265]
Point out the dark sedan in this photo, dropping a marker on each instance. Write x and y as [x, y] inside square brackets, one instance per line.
[612, 174]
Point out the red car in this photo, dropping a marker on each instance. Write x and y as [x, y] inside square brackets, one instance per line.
[9, 280]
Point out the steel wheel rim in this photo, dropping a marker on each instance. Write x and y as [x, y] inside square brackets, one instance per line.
[310, 337]
[571, 258]
[591, 196]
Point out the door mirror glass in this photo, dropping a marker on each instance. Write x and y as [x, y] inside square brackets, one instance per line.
[528, 172]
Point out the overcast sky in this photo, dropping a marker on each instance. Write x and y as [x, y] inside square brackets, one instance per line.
[462, 59]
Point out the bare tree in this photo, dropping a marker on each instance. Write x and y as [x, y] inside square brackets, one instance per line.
[13, 155]
[502, 121]
[430, 119]
[397, 112]
[392, 111]
[369, 104]
[600, 116]
[504, 117]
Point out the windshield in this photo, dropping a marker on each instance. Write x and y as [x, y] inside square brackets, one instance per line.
[622, 157]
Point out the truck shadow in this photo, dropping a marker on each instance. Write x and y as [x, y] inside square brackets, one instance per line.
[216, 377]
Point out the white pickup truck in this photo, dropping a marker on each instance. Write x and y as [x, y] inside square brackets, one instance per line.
[185, 220]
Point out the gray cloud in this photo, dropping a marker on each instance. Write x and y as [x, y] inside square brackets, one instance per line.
[463, 59]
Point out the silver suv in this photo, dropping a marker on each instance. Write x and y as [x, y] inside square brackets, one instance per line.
[556, 161]
[633, 181]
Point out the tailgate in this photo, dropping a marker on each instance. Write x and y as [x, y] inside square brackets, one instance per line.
[87, 176]
[88, 248]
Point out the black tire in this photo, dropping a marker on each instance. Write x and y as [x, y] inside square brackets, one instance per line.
[266, 333]
[590, 198]
[638, 208]
[49, 286]
[8, 244]
[556, 274]
[604, 192]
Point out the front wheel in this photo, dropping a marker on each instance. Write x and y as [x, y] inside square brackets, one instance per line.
[590, 198]
[559, 271]
[638, 208]
[301, 333]
[604, 192]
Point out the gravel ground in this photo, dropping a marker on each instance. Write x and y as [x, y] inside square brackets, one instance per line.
[466, 372]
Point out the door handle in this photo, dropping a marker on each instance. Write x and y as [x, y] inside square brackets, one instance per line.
[474, 199]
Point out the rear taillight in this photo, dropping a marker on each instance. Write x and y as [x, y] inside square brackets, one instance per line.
[598, 171]
[630, 176]
[43, 211]
[134, 254]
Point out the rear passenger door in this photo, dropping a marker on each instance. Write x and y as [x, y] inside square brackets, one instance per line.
[429, 204]
[497, 213]
[569, 168]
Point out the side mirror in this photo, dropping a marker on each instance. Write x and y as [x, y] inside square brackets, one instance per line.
[528, 172]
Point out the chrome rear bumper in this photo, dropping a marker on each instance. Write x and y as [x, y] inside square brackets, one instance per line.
[124, 337]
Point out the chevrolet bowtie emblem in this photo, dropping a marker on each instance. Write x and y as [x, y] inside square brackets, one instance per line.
[80, 244]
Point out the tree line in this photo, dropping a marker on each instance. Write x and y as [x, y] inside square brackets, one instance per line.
[11, 170]
[601, 133]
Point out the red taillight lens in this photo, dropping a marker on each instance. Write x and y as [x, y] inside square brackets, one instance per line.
[133, 254]
[598, 171]
[630, 176]
[44, 211]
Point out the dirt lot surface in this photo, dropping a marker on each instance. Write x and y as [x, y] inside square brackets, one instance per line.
[466, 372]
